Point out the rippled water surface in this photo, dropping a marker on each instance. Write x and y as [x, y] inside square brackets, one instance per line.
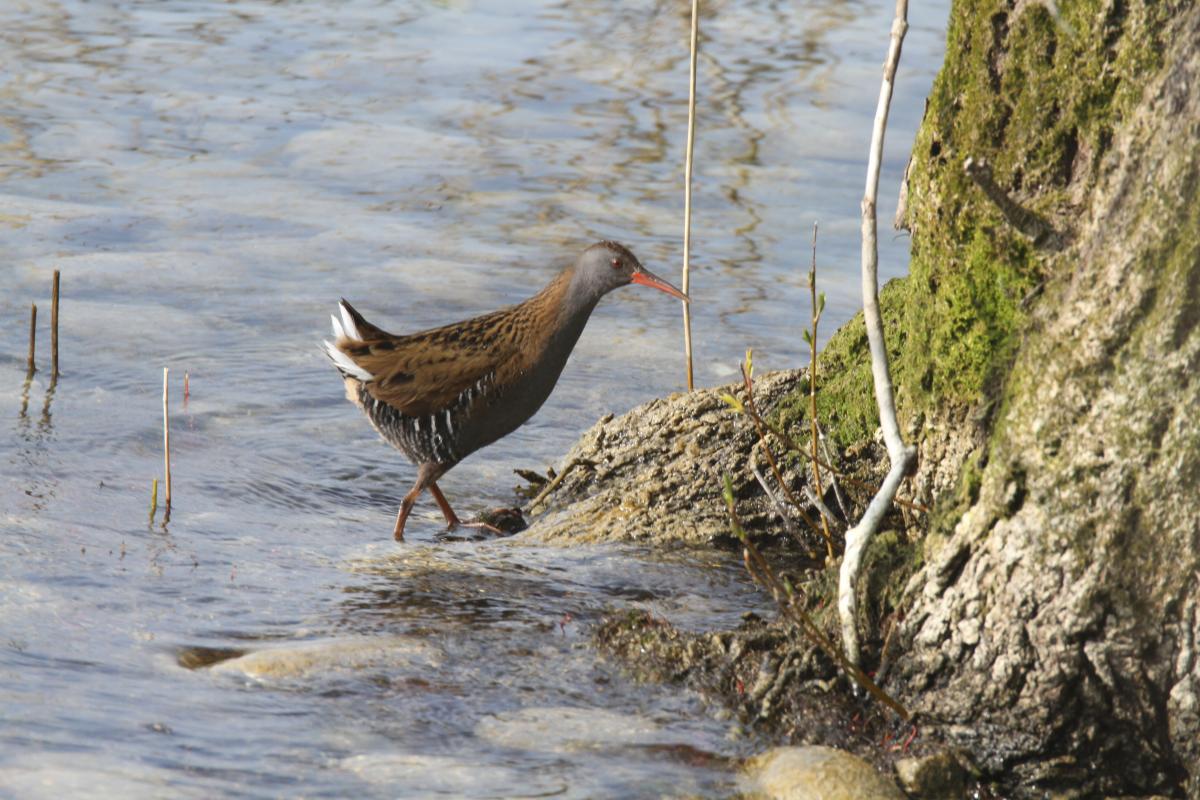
[210, 177]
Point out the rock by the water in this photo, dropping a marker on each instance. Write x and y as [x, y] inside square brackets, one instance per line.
[815, 773]
[449, 777]
[309, 658]
[940, 776]
[566, 728]
[656, 474]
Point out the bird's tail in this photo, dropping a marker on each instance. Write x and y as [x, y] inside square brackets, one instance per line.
[349, 329]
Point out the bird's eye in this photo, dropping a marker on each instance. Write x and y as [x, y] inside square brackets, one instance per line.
[616, 263]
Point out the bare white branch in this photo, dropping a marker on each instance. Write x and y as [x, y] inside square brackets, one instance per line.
[899, 455]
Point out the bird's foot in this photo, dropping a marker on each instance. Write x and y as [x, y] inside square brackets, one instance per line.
[502, 520]
[496, 522]
[478, 525]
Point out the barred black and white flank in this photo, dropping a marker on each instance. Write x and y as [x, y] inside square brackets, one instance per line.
[441, 394]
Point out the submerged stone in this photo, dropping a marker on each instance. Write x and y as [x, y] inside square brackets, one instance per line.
[306, 659]
[566, 728]
[447, 776]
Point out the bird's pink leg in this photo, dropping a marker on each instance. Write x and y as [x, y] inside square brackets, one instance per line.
[406, 507]
[452, 520]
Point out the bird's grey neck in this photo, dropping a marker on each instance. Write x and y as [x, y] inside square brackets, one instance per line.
[573, 299]
[579, 300]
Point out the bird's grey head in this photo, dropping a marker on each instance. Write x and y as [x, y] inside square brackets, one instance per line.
[607, 265]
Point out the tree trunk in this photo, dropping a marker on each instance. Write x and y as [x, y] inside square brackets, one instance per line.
[1054, 628]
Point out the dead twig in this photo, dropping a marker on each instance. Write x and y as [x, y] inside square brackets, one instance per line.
[780, 507]
[554, 483]
[819, 504]
[837, 490]
[785, 598]
[760, 426]
[792, 446]
[1025, 221]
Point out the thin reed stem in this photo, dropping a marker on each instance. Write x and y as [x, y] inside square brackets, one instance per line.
[54, 329]
[791, 445]
[761, 426]
[31, 363]
[687, 190]
[166, 443]
[817, 308]
[837, 490]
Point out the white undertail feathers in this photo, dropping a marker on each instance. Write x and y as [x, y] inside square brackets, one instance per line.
[348, 330]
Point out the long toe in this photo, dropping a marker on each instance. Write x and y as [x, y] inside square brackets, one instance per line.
[504, 520]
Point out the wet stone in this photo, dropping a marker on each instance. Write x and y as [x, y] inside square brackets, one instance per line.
[448, 776]
[941, 776]
[815, 773]
[565, 728]
[307, 659]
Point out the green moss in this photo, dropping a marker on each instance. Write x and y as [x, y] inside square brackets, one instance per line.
[845, 387]
[969, 329]
[1038, 98]
[891, 559]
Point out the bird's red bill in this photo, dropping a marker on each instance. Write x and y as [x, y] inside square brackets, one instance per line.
[650, 279]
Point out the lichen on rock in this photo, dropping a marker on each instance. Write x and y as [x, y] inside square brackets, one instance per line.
[656, 473]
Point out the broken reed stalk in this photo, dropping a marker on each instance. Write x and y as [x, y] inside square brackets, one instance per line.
[900, 455]
[790, 444]
[819, 504]
[833, 473]
[900, 501]
[166, 444]
[30, 364]
[153, 499]
[761, 427]
[687, 189]
[54, 329]
[785, 598]
[554, 482]
[779, 506]
[817, 308]
[186, 390]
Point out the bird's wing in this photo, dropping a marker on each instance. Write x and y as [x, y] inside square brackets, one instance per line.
[428, 372]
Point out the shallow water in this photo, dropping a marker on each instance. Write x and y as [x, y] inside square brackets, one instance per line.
[210, 178]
